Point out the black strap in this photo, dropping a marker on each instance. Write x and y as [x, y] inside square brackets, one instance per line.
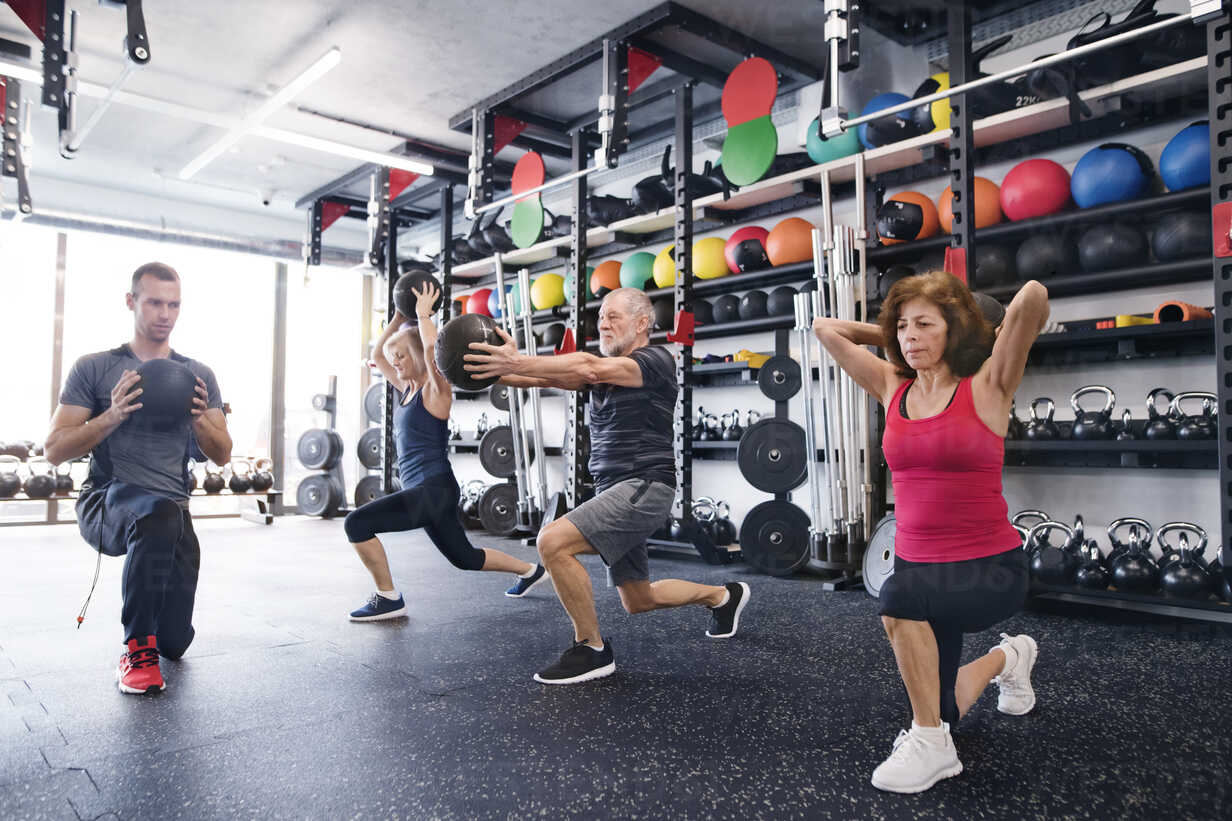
[902, 402]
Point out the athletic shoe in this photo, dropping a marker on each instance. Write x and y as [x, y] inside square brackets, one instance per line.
[917, 763]
[523, 586]
[138, 671]
[379, 608]
[1017, 695]
[579, 663]
[725, 619]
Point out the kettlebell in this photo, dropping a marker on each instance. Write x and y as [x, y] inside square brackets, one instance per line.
[1134, 570]
[1220, 583]
[713, 430]
[481, 427]
[1187, 576]
[1137, 527]
[192, 475]
[10, 482]
[732, 430]
[725, 528]
[1091, 574]
[1042, 429]
[214, 482]
[1158, 426]
[1023, 521]
[705, 512]
[1188, 427]
[1091, 425]
[1015, 430]
[240, 482]
[1052, 564]
[42, 481]
[1125, 432]
[64, 479]
[699, 424]
[262, 475]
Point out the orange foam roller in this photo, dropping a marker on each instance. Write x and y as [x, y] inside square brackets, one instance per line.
[1177, 311]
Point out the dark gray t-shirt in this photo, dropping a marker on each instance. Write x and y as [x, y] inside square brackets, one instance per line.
[631, 431]
[156, 460]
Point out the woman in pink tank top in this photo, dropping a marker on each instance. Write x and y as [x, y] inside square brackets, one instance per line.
[946, 384]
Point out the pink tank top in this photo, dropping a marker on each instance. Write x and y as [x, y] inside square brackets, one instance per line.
[946, 469]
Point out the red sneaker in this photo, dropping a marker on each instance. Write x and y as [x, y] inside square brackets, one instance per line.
[138, 671]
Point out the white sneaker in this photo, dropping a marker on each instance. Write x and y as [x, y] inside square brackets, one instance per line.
[1017, 695]
[916, 763]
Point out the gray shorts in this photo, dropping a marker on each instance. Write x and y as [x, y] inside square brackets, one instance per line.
[618, 522]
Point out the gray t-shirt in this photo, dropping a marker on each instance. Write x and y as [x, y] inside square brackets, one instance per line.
[631, 429]
[156, 460]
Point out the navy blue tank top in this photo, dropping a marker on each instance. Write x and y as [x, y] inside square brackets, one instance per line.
[422, 441]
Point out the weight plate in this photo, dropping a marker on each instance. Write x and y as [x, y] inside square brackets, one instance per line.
[367, 489]
[315, 449]
[772, 455]
[774, 537]
[370, 448]
[318, 495]
[879, 556]
[779, 378]
[499, 395]
[496, 451]
[498, 509]
[372, 402]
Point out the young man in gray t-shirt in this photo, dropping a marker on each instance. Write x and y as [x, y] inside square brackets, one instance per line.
[135, 500]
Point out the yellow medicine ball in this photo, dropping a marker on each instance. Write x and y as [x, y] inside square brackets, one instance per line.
[665, 267]
[547, 291]
[709, 261]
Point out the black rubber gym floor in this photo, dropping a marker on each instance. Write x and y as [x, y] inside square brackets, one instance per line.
[284, 709]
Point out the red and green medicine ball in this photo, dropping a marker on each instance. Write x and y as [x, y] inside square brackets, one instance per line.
[746, 250]
[477, 302]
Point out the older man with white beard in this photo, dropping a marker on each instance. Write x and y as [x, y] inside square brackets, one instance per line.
[632, 408]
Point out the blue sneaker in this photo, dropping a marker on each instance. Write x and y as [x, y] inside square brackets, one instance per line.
[523, 586]
[378, 608]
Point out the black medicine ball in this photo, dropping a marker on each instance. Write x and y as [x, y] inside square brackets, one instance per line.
[1182, 235]
[404, 299]
[554, 334]
[891, 275]
[703, 312]
[753, 305]
[665, 313]
[781, 301]
[1111, 246]
[453, 343]
[1046, 255]
[726, 309]
[994, 265]
[167, 390]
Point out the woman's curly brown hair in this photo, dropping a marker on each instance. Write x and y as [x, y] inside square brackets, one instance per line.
[969, 338]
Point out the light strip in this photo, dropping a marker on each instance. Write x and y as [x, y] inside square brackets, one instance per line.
[20, 72]
[324, 64]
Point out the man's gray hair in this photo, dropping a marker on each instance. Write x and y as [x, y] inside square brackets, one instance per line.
[637, 303]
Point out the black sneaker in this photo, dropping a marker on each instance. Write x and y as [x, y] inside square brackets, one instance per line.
[579, 663]
[725, 620]
[522, 586]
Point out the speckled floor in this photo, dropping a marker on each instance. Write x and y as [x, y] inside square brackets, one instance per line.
[283, 709]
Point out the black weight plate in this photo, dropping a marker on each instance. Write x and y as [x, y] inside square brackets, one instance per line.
[774, 537]
[333, 454]
[879, 556]
[318, 495]
[496, 451]
[372, 402]
[772, 455]
[314, 449]
[370, 448]
[367, 489]
[779, 378]
[498, 509]
[499, 394]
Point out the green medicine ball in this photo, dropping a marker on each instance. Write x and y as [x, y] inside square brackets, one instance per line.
[637, 270]
[571, 286]
[820, 150]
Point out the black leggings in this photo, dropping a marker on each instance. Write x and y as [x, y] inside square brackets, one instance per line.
[956, 598]
[432, 505]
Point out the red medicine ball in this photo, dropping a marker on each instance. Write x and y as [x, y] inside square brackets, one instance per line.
[1034, 188]
[477, 302]
[746, 250]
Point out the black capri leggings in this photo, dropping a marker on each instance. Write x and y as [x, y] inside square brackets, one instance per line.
[432, 505]
[956, 598]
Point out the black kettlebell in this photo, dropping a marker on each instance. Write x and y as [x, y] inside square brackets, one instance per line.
[1220, 582]
[1015, 430]
[1023, 521]
[714, 432]
[1137, 527]
[1125, 431]
[1091, 574]
[1187, 576]
[481, 426]
[731, 427]
[64, 479]
[1158, 425]
[214, 483]
[1189, 427]
[1134, 570]
[1091, 425]
[262, 475]
[725, 528]
[240, 482]
[1042, 429]
[699, 424]
[705, 512]
[192, 476]
[40, 485]
[10, 482]
[1052, 564]
[1210, 418]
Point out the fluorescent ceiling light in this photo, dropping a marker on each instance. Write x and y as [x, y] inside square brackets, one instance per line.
[324, 64]
[343, 150]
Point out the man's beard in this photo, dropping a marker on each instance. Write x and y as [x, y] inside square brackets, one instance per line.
[614, 346]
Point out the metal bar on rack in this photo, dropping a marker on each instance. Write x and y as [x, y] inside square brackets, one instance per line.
[508, 315]
[804, 329]
[861, 262]
[536, 410]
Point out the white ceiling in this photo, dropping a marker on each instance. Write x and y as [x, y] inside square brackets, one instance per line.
[407, 66]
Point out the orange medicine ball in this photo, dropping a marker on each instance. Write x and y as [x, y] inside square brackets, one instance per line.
[987, 204]
[907, 215]
[790, 241]
[606, 277]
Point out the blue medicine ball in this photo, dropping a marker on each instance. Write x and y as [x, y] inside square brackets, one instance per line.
[888, 129]
[819, 150]
[1186, 159]
[1112, 172]
[494, 301]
